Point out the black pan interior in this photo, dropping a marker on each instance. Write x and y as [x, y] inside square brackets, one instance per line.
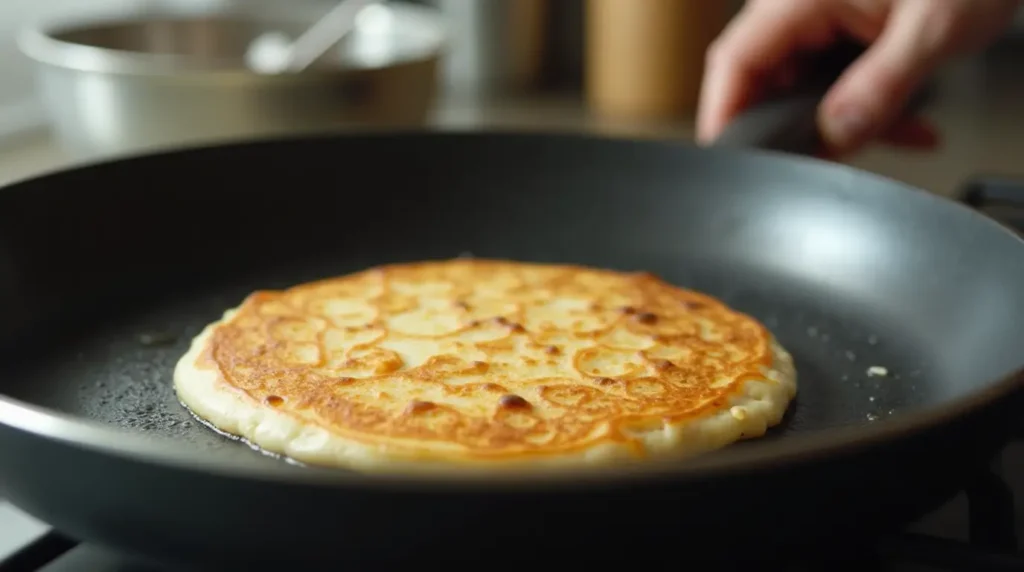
[108, 271]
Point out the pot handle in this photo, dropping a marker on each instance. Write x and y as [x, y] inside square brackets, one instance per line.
[789, 122]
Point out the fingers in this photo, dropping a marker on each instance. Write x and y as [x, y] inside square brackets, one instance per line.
[756, 43]
[870, 95]
[907, 133]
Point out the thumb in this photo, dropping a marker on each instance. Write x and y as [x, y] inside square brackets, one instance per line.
[872, 92]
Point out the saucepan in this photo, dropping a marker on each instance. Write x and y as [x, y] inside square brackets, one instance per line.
[103, 286]
[118, 84]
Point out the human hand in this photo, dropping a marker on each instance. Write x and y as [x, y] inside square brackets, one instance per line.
[907, 39]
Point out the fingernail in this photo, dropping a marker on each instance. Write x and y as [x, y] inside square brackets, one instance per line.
[846, 126]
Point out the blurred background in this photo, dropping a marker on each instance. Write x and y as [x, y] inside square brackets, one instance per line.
[83, 80]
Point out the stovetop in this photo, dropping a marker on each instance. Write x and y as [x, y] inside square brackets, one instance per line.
[975, 532]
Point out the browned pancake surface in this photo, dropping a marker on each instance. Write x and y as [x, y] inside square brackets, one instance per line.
[489, 359]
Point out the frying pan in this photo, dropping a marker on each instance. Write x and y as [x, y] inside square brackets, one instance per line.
[110, 269]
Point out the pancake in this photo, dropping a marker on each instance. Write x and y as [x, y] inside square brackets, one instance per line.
[485, 364]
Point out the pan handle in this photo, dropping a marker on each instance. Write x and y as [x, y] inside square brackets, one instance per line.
[789, 122]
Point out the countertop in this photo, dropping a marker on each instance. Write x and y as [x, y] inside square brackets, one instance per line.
[978, 106]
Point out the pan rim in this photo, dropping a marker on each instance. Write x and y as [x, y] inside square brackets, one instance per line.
[167, 453]
[97, 437]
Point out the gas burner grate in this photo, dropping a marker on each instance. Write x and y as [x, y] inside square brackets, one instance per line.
[993, 534]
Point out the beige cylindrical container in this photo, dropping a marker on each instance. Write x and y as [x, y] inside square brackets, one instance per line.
[644, 58]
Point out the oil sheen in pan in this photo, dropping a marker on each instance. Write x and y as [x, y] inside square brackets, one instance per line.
[242, 440]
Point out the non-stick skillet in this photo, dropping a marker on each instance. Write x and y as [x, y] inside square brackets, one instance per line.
[107, 271]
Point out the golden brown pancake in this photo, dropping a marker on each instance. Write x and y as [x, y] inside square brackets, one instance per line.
[478, 363]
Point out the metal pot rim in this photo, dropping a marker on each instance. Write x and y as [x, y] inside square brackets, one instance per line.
[43, 44]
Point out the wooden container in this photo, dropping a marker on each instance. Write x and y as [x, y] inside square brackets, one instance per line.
[645, 58]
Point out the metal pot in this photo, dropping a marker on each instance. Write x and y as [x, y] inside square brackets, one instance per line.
[497, 46]
[120, 85]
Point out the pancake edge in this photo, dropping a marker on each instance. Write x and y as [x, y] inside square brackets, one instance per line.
[757, 406]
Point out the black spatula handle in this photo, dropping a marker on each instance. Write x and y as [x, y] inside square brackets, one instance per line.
[786, 124]
[789, 122]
